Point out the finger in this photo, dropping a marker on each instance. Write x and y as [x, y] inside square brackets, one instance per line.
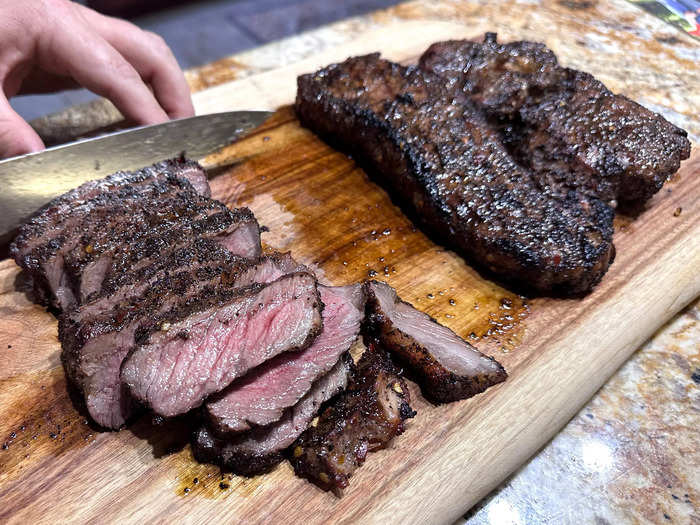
[38, 82]
[88, 58]
[16, 136]
[151, 57]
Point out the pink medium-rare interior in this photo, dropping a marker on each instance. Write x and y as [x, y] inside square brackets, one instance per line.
[198, 178]
[452, 352]
[261, 396]
[244, 241]
[93, 276]
[173, 374]
[102, 357]
[295, 420]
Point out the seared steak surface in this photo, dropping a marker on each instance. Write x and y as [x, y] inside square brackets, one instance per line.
[39, 227]
[446, 367]
[123, 222]
[261, 448]
[440, 157]
[562, 123]
[261, 396]
[362, 419]
[115, 248]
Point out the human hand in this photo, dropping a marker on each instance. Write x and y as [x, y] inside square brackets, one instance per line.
[49, 45]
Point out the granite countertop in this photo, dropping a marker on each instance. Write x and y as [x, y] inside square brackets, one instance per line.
[631, 454]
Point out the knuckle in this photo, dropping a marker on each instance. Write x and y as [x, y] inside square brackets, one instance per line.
[121, 68]
[55, 7]
[11, 142]
[158, 43]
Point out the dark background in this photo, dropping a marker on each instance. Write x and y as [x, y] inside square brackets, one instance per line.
[202, 31]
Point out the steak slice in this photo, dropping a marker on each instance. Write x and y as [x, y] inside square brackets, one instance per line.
[563, 123]
[259, 450]
[120, 284]
[151, 232]
[443, 161]
[40, 228]
[260, 397]
[45, 262]
[96, 337]
[118, 288]
[363, 419]
[200, 347]
[446, 367]
[241, 237]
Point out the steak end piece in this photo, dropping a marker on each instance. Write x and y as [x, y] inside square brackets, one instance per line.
[446, 367]
[363, 419]
[200, 347]
[440, 158]
[260, 449]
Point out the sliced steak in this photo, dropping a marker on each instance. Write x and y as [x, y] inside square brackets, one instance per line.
[40, 228]
[260, 449]
[446, 367]
[564, 124]
[261, 396]
[437, 154]
[201, 346]
[235, 230]
[96, 337]
[121, 287]
[363, 419]
[45, 262]
[150, 233]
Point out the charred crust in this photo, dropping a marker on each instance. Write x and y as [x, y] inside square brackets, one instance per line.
[358, 421]
[546, 238]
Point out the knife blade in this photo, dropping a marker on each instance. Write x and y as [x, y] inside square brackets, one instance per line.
[29, 181]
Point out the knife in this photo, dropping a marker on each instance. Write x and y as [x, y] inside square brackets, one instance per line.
[29, 181]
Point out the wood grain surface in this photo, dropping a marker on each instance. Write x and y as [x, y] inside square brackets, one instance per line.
[54, 467]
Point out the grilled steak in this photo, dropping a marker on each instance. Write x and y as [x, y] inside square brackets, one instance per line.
[446, 367]
[192, 254]
[68, 253]
[364, 418]
[118, 287]
[440, 157]
[97, 337]
[261, 396]
[45, 262]
[39, 228]
[564, 124]
[145, 237]
[199, 347]
[259, 450]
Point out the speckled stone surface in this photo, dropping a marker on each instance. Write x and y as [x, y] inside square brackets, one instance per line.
[632, 455]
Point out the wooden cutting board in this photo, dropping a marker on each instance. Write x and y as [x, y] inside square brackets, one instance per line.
[55, 467]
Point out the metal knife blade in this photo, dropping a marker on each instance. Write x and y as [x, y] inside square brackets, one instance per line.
[30, 181]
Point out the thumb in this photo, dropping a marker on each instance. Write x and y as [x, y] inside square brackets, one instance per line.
[16, 136]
